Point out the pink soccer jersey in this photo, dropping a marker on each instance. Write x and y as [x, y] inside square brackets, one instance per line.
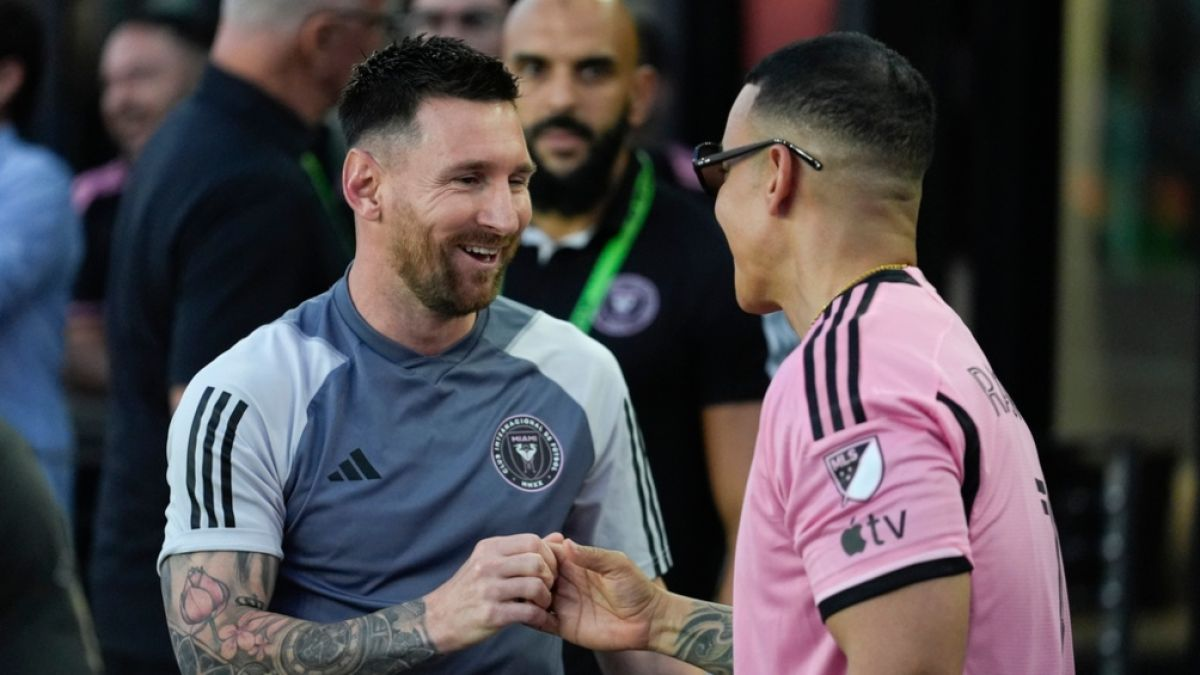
[889, 454]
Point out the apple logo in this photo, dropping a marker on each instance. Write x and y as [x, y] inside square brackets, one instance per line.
[852, 539]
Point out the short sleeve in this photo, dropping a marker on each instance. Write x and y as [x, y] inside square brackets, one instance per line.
[249, 252]
[225, 483]
[878, 505]
[617, 507]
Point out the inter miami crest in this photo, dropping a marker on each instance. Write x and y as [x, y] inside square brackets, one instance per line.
[526, 453]
[856, 469]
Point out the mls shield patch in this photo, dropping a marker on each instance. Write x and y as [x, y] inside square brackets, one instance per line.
[856, 469]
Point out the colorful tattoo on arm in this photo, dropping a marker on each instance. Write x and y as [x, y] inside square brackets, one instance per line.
[209, 633]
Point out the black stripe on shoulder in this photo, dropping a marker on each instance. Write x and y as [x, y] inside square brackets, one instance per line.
[637, 478]
[893, 581]
[831, 388]
[854, 367]
[970, 484]
[664, 565]
[193, 438]
[235, 418]
[810, 381]
[210, 439]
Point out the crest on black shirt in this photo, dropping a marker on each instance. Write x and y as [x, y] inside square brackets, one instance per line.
[856, 469]
[526, 453]
[630, 307]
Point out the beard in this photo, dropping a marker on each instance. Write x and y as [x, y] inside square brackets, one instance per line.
[427, 268]
[583, 188]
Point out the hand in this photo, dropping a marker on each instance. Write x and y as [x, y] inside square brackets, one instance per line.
[507, 580]
[602, 600]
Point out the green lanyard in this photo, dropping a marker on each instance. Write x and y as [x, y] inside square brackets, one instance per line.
[617, 248]
[320, 182]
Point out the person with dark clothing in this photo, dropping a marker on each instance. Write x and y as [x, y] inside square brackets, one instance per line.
[222, 228]
[45, 628]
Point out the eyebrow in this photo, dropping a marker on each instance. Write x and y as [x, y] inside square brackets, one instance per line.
[607, 62]
[481, 166]
[522, 57]
[604, 61]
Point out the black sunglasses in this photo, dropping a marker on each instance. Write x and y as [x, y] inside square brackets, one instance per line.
[709, 160]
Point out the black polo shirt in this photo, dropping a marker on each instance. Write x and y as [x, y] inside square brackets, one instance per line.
[220, 231]
[672, 320]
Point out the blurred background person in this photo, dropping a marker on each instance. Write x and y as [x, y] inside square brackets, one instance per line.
[149, 62]
[641, 266]
[227, 221]
[40, 247]
[479, 23]
[45, 627]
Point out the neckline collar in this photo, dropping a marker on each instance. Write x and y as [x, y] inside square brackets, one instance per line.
[394, 351]
[271, 118]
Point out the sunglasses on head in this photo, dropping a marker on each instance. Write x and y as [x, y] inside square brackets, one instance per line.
[710, 161]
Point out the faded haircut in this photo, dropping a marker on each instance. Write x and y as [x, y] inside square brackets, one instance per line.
[386, 90]
[856, 90]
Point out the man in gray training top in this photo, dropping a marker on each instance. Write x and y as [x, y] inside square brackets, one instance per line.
[365, 484]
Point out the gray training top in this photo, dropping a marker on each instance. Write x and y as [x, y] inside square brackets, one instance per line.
[372, 471]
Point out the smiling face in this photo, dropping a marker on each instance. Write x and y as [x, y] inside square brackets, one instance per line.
[741, 211]
[144, 72]
[456, 201]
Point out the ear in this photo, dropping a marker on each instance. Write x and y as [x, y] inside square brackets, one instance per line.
[362, 184]
[783, 186]
[12, 76]
[315, 35]
[643, 94]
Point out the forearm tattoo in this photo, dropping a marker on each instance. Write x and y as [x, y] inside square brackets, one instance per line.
[212, 635]
[706, 639]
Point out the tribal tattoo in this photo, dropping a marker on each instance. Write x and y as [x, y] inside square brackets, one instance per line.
[212, 635]
[706, 639]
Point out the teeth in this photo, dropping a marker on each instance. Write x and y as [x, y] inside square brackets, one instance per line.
[479, 250]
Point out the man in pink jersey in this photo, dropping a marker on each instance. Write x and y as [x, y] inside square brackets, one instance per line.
[896, 518]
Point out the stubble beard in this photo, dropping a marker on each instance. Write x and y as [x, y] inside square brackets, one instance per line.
[581, 189]
[430, 274]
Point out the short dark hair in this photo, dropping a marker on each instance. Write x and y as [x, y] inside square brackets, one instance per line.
[856, 89]
[191, 29]
[387, 88]
[21, 39]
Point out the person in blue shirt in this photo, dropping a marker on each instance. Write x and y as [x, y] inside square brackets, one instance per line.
[40, 249]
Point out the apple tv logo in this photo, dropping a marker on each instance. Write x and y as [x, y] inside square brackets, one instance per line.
[853, 541]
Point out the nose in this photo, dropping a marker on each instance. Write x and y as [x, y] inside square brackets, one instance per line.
[504, 211]
[114, 97]
[560, 91]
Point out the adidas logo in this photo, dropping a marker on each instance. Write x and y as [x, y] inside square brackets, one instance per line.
[358, 467]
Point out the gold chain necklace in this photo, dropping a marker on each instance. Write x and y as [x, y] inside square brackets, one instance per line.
[859, 280]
